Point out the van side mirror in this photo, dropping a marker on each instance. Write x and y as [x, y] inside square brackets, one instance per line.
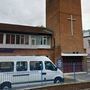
[55, 68]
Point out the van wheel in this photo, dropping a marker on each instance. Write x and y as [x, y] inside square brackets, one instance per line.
[6, 86]
[57, 80]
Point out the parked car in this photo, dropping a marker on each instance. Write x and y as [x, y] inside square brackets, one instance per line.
[27, 70]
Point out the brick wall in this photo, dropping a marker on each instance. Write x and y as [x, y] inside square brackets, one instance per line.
[57, 13]
[29, 52]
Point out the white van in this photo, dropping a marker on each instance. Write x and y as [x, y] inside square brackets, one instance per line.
[27, 70]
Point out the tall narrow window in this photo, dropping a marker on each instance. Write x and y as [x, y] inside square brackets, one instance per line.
[1, 38]
[48, 40]
[12, 39]
[26, 39]
[89, 43]
[33, 40]
[17, 39]
[8, 39]
[39, 40]
[44, 40]
[22, 39]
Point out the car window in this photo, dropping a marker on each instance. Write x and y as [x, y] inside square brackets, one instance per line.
[6, 66]
[36, 65]
[21, 66]
[49, 66]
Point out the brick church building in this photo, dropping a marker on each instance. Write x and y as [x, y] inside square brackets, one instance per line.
[21, 40]
[64, 18]
[63, 37]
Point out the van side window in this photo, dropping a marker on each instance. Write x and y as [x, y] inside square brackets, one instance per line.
[36, 65]
[21, 66]
[6, 66]
[49, 66]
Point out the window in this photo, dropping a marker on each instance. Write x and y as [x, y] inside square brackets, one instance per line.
[26, 39]
[6, 66]
[12, 39]
[17, 39]
[1, 38]
[49, 66]
[48, 40]
[89, 43]
[36, 65]
[44, 40]
[8, 39]
[40, 40]
[22, 39]
[33, 40]
[21, 66]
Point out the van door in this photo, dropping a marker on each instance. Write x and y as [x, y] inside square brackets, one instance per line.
[36, 68]
[50, 72]
[21, 75]
[6, 71]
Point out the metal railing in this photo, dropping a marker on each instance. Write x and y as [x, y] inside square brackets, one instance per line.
[73, 68]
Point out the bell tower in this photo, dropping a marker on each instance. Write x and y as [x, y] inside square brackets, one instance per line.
[64, 18]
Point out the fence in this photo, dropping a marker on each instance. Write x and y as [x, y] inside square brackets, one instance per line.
[88, 66]
[28, 77]
[72, 67]
[74, 70]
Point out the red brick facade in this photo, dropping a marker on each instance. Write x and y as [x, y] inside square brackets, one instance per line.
[28, 52]
[58, 12]
[63, 17]
[66, 38]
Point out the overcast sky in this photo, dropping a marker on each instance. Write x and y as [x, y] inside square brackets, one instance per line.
[32, 12]
[29, 12]
[86, 14]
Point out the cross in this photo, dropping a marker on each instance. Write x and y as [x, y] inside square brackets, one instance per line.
[71, 20]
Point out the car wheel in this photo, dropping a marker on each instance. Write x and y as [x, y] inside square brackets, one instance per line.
[57, 80]
[6, 86]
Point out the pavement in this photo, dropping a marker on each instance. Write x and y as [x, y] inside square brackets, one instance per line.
[77, 77]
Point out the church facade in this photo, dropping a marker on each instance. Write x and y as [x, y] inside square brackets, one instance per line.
[61, 41]
[63, 17]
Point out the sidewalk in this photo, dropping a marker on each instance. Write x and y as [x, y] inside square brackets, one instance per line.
[77, 77]
[69, 79]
